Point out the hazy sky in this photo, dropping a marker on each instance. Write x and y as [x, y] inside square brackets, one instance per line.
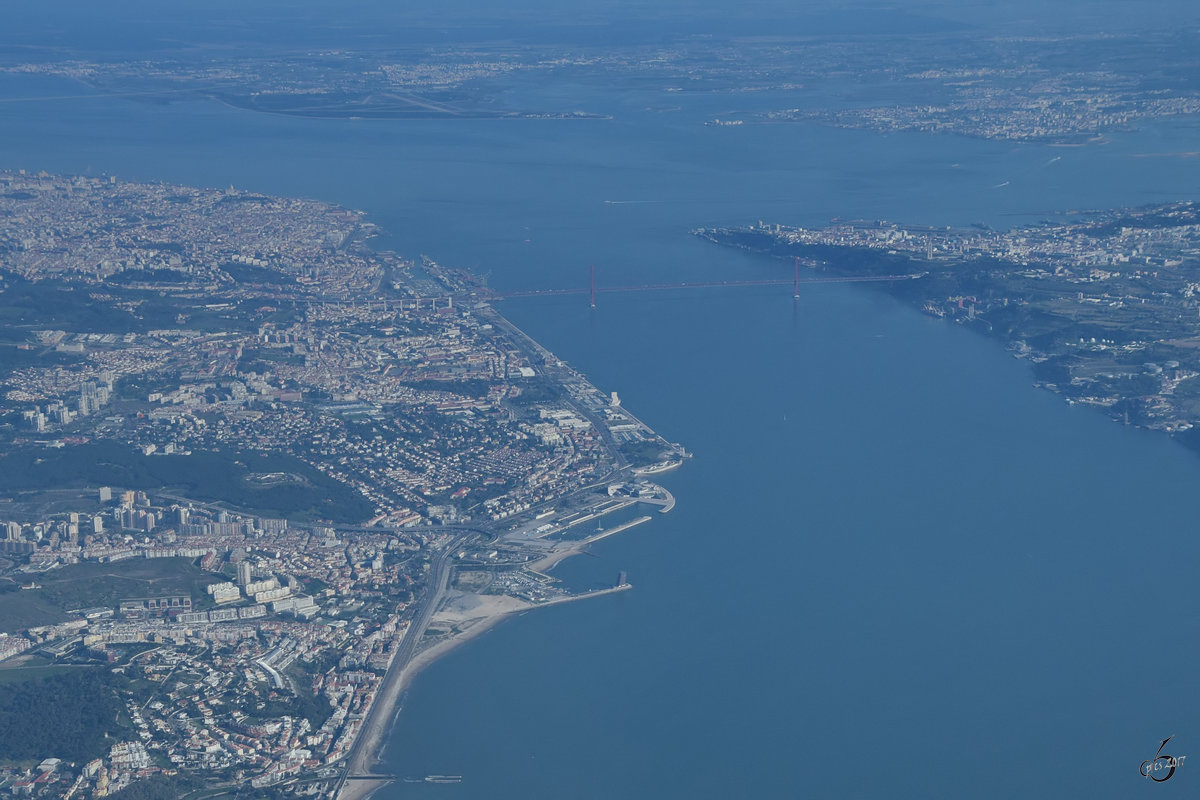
[136, 25]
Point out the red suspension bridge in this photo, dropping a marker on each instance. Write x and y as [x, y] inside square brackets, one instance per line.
[470, 293]
[593, 289]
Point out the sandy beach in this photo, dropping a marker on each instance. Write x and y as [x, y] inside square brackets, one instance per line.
[469, 614]
[472, 615]
[559, 553]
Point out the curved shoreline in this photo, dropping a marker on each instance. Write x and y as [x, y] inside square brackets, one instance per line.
[373, 738]
[385, 710]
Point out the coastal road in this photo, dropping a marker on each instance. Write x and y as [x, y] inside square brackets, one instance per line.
[535, 352]
[538, 354]
[366, 746]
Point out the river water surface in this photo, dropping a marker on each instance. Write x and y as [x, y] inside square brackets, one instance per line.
[895, 569]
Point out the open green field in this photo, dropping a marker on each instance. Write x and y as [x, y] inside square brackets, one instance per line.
[212, 477]
[92, 585]
[10, 675]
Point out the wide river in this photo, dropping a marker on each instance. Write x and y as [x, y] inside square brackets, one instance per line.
[896, 569]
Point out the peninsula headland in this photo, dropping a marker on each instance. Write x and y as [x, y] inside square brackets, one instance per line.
[256, 474]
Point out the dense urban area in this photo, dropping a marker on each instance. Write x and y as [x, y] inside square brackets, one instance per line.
[251, 470]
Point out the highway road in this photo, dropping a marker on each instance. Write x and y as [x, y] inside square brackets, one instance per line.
[379, 719]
